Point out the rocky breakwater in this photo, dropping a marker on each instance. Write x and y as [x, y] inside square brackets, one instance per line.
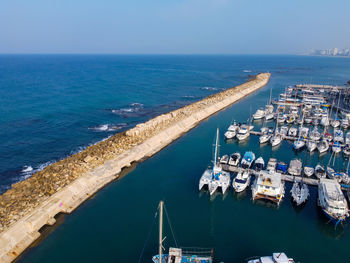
[64, 185]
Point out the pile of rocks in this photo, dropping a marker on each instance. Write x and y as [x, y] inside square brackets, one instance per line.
[24, 196]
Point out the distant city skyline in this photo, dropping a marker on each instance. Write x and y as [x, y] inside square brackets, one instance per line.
[173, 26]
[345, 52]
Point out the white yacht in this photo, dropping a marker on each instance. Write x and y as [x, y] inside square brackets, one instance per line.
[215, 177]
[276, 138]
[259, 114]
[336, 147]
[284, 131]
[324, 121]
[323, 146]
[232, 131]
[268, 186]
[315, 135]
[247, 160]
[259, 164]
[243, 132]
[241, 181]
[303, 132]
[311, 145]
[332, 200]
[299, 192]
[271, 165]
[347, 138]
[345, 123]
[338, 136]
[298, 144]
[335, 123]
[295, 167]
[275, 258]
[234, 159]
[224, 159]
[265, 137]
[293, 132]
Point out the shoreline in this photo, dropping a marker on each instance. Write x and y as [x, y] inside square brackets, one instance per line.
[63, 186]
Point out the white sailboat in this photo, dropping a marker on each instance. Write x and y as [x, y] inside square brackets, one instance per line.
[323, 146]
[215, 178]
[311, 145]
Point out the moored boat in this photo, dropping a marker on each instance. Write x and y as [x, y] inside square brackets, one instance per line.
[311, 145]
[275, 258]
[281, 167]
[241, 181]
[232, 131]
[234, 159]
[295, 167]
[308, 170]
[259, 114]
[271, 165]
[259, 164]
[299, 192]
[247, 160]
[323, 146]
[320, 172]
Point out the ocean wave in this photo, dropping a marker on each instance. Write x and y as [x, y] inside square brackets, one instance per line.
[247, 70]
[209, 88]
[27, 169]
[108, 127]
[188, 97]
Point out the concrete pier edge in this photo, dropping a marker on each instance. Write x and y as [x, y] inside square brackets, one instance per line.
[22, 233]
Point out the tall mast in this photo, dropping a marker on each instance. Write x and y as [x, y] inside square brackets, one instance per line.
[216, 147]
[161, 203]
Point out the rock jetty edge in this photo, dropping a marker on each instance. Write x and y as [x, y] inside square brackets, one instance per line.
[63, 186]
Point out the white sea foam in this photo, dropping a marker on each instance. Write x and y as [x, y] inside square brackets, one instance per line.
[136, 104]
[209, 88]
[27, 169]
[247, 71]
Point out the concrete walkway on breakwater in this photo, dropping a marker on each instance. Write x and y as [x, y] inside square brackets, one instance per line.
[19, 231]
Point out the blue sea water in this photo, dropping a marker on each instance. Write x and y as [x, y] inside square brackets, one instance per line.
[52, 106]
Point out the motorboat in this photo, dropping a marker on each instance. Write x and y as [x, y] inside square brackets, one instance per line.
[224, 159]
[298, 144]
[259, 164]
[293, 132]
[345, 123]
[284, 131]
[232, 131]
[269, 116]
[332, 200]
[243, 132]
[308, 170]
[268, 186]
[247, 160]
[338, 136]
[271, 165]
[299, 192]
[320, 172]
[281, 167]
[295, 167]
[234, 159]
[336, 147]
[241, 181]
[315, 135]
[324, 121]
[308, 120]
[333, 174]
[215, 178]
[323, 146]
[269, 108]
[275, 258]
[281, 119]
[311, 145]
[259, 114]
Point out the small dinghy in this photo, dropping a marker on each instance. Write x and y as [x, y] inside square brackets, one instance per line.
[295, 167]
[247, 160]
[234, 159]
[259, 164]
[308, 170]
[241, 181]
[320, 172]
[300, 192]
[224, 159]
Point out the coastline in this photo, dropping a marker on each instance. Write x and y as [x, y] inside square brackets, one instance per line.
[63, 186]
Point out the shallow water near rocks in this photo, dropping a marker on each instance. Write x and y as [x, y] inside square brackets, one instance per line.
[113, 226]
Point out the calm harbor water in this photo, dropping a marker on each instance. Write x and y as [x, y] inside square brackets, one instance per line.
[50, 102]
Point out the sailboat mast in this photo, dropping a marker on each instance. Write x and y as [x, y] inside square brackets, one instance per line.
[216, 146]
[161, 203]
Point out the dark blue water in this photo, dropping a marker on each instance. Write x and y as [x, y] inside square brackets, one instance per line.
[51, 104]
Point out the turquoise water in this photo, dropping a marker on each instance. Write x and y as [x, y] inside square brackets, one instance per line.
[113, 225]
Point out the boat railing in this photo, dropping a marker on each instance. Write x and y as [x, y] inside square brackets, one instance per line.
[198, 251]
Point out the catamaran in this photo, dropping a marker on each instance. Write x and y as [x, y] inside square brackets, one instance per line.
[332, 200]
[215, 177]
[179, 255]
[269, 186]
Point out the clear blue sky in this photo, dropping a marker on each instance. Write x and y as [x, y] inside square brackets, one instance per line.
[173, 26]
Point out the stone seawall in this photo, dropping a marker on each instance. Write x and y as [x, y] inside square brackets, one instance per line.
[64, 185]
